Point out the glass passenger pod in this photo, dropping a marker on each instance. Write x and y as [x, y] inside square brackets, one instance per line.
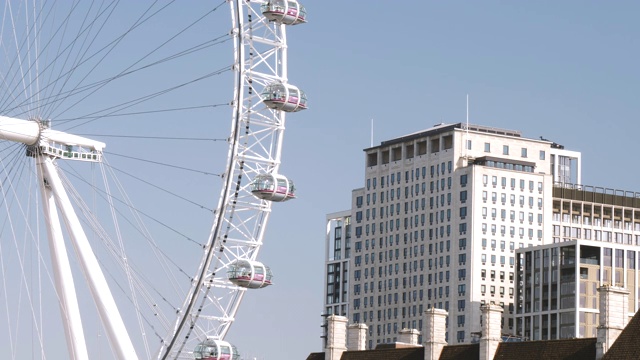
[211, 349]
[249, 274]
[273, 187]
[284, 97]
[288, 12]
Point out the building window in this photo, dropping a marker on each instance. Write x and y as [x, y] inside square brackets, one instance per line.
[468, 144]
[463, 180]
[524, 152]
[487, 147]
[461, 289]
[542, 155]
[462, 274]
[505, 151]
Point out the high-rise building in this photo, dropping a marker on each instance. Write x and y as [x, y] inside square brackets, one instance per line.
[595, 234]
[436, 225]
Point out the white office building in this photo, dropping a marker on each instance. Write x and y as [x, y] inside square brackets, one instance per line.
[436, 225]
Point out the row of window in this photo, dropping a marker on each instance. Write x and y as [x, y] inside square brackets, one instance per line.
[597, 221]
[505, 151]
[503, 244]
[413, 175]
[409, 192]
[512, 199]
[492, 274]
[512, 215]
[437, 262]
[386, 227]
[512, 231]
[494, 258]
[599, 235]
[492, 290]
[512, 183]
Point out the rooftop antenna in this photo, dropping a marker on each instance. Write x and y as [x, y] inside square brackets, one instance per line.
[371, 132]
[466, 141]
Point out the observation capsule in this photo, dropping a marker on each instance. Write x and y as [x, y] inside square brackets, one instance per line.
[249, 274]
[284, 97]
[273, 187]
[211, 349]
[288, 12]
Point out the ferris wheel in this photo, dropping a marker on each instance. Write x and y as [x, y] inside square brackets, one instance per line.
[74, 249]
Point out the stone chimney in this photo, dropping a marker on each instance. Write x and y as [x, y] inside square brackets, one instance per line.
[409, 336]
[336, 337]
[491, 330]
[434, 333]
[614, 310]
[357, 337]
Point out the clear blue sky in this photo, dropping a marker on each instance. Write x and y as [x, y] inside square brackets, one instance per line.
[565, 70]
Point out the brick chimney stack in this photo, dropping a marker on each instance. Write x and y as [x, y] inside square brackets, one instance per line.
[336, 337]
[491, 330]
[614, 316]
[434, 333]
[409, 336]
[357, 337]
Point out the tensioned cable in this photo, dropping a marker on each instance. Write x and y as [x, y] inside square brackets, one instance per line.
[113, 44]
[103, 195]
[3, 184]
[80, 89]
[73, 44]
[139, 100]
[161, 255]
[27, 35]
[63, 24]
[101, 83]
[162, 189]
[20, 258]
[144, 112]
[139, 60]
[164, 164]
[145, 214]
[154, 137]
[117, 252]
[125, 260]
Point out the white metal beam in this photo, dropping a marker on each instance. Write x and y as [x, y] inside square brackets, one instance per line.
[110, 316]
[65, 288]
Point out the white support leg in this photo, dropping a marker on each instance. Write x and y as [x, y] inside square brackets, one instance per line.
[109, 314]
[62, 274]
